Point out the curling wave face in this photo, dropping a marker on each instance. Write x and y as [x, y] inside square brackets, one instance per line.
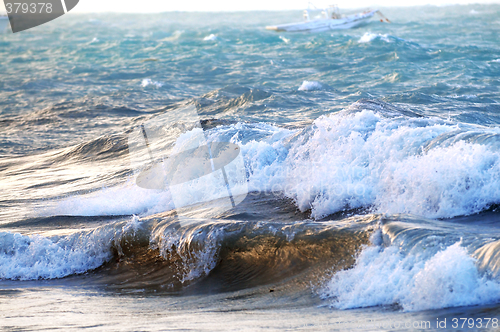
[233, 249]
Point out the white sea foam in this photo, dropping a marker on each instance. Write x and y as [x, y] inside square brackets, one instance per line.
[310, 86]
[210, 37]
[34, 257]
[133, 225]
[198, 262]
[147, 82]
[286, 40]
[364, 159]
[31, 257]
[465, 96]
[370, 36]
[496, 60]
[126, 199]
[345, 160]
[385, 276]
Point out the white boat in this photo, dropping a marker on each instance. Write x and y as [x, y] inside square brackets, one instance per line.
[330, 20]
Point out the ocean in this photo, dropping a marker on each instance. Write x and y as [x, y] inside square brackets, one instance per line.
[370, 160]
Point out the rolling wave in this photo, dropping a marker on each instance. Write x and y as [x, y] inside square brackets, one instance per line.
[419, 265]
[371, 155]
[239, 251]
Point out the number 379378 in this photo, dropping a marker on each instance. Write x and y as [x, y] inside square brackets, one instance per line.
[474, 323]
[32, 8]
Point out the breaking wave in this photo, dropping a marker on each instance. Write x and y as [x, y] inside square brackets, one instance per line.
[415, 268]
[371, 156]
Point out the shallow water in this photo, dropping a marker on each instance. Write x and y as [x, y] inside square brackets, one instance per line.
[371, 158]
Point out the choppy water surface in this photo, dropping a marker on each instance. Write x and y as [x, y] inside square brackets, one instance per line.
[372, 157]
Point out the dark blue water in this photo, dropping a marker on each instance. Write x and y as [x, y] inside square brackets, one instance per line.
[371, 155]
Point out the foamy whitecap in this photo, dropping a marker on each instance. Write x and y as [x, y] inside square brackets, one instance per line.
[310, 86]
[465, 96]
[38, 257]
[31, 257]
[210, 37]
[370, 36]
[147, 82]
[385, 276]
[286, 40]
[391, 164]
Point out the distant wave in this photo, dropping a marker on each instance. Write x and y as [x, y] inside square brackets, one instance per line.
[369, 36]
[147, 81]
[210, 37]
[310, 86]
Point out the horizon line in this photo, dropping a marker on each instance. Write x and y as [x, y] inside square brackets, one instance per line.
[277, 10]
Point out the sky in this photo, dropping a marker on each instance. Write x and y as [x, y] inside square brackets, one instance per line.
[156, 6]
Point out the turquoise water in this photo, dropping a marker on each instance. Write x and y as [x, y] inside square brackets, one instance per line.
[371, 156]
